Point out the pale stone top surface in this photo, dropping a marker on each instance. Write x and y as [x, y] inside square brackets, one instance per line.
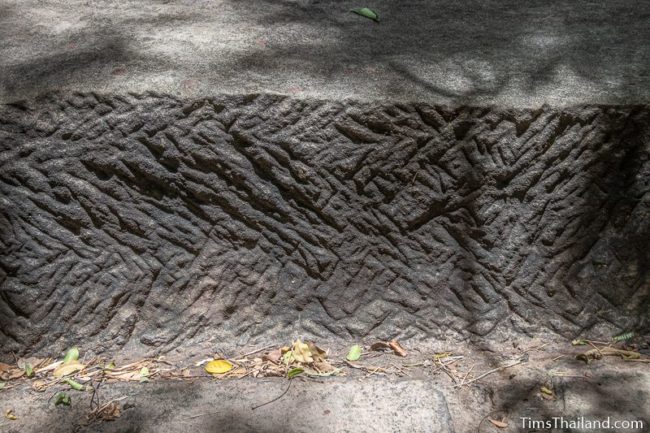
[477, 52]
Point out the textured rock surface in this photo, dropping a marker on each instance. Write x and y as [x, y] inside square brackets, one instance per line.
[129, 220]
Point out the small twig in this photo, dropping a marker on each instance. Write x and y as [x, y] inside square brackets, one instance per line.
[442, 365]
[275, 399]
[256, 351]
[419, 364]
[109, 403]
[131, 365]
[369, 369]
[375, 371]
[448, 371]
[564, 374]
[494, 370]
[608, 343]
[451, 376]
[595, 347]
[478, 429]
[95, 389]
[541, 346]
[462, 382]
[400, 370]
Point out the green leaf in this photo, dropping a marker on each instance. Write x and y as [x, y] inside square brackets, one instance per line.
[579, 342]
[110, 366]
[294, 372]
[367, 13]
[623, 337]
[74, 385]
[354, 354]
[62, 398]
[2, 384]
[287, 358]
[71, 355]
[144, 374]
[29, 371]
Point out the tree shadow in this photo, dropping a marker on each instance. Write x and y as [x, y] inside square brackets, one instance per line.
[472, 53]
[460, 54]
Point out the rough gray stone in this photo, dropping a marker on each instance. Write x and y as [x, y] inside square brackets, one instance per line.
[132, 220]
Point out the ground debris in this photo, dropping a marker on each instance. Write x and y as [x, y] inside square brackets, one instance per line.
[392, 345]
[10, 415]
[600, 352]
[498, 423]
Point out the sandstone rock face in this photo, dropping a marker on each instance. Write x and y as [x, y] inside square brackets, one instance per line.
[131, 220]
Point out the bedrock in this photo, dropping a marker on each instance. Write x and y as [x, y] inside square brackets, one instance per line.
[151, 221]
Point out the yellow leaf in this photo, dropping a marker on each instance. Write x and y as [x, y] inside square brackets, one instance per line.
[301, 352]
[546, 391]
[9, 414]
[218, 366]
[66, 369]
[442, 355]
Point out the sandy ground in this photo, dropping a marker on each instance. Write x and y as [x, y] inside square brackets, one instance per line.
[495, 52]
[536, 381]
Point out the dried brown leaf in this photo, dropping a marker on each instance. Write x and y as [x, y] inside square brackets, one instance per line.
[35, 363]
[108, 412]
[12, 373]
[273, 356]
[379, 346]
[500, 424]
[317, 353]
[323, 367]
[39, 385]
[391, 345]
[238, 372]
[397, 348]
